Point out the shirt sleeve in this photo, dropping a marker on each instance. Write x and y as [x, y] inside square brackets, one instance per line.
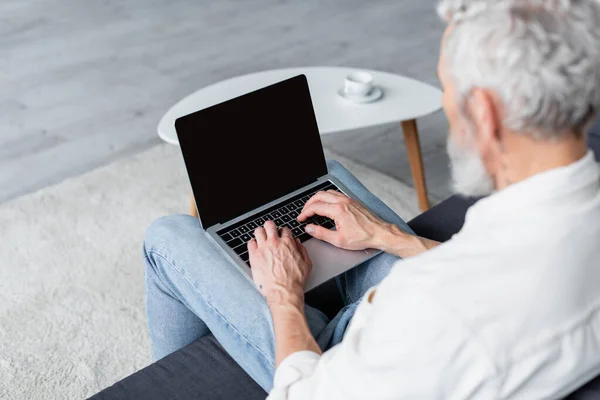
[404, 344]
[293, 368]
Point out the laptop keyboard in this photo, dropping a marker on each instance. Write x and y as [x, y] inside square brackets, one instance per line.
[284, 215]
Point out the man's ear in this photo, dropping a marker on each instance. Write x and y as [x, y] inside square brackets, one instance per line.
[485, 118]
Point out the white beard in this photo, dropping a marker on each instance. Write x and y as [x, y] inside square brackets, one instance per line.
[469, 176]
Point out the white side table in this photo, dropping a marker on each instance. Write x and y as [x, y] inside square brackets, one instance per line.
[404, 101]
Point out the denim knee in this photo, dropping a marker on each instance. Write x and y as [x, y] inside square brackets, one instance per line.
[339, 171]
[333, 165]
[165, 230]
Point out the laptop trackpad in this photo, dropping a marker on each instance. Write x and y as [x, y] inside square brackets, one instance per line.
[329, 261]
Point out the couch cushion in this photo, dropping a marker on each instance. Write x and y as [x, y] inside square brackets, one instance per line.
[443, 220]
[595, 129]
[594, 139]
[589, 391]
[595, 145]
[201, 370]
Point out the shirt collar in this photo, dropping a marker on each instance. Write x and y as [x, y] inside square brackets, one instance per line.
[537, 190]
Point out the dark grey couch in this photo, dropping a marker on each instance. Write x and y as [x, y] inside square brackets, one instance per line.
[203, 370]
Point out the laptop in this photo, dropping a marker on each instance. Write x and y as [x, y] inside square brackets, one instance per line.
[259, 157]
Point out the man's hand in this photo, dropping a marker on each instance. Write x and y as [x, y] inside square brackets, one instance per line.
[280, 264]
[356, 227]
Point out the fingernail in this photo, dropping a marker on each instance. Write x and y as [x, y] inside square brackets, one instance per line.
[309, 229]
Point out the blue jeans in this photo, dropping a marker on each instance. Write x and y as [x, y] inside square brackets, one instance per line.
[193, 289]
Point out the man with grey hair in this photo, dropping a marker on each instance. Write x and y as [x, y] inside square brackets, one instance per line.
[508, 308]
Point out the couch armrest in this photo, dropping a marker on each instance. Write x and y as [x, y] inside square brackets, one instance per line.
[201, 370]
[443, 220]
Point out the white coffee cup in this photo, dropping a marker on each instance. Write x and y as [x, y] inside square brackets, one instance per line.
[358, 84]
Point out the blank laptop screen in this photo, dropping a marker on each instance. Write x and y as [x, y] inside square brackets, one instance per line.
[246, 152]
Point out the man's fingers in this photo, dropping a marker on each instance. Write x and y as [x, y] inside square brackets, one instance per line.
[260, 235]
[286, 232]
[319, 208]
[324, 234]
[271, 230]
[252, 245]
[326, 197]
[304, 252]
[336, 193]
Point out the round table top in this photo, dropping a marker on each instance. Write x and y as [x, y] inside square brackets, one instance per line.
[403, 99]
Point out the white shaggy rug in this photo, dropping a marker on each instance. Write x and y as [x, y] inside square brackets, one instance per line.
[72, 318]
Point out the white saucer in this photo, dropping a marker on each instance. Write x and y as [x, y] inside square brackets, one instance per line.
[374, 95]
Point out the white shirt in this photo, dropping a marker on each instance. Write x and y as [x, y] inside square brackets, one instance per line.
[509, 308]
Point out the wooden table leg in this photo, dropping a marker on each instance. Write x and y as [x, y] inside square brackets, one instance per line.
[193, 210]
[411, 138]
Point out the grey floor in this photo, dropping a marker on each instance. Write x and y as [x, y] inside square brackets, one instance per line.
[83, 83]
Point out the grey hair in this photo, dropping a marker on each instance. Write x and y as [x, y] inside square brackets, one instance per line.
[540, 57]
